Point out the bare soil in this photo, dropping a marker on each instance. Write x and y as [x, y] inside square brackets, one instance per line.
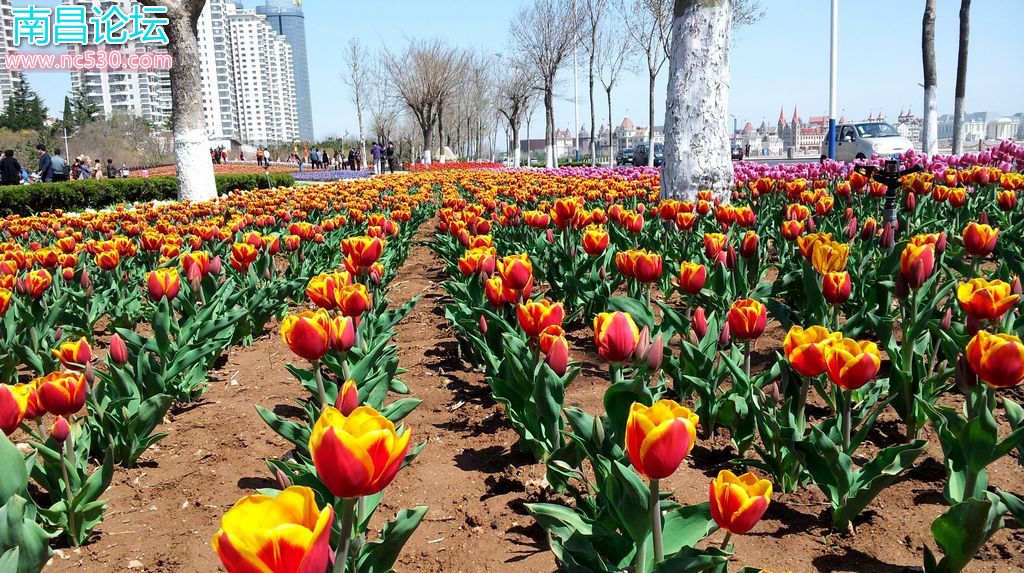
[163, 513]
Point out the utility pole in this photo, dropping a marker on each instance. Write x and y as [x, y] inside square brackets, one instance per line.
[833, 71]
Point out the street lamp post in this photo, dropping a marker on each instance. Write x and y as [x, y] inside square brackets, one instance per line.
[576, 101]
[833, 70]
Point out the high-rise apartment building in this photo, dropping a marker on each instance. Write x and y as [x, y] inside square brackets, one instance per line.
[8, 79]
[287, 19]
[145, 93]
[264, 80]
[217, 70]
[247, 73]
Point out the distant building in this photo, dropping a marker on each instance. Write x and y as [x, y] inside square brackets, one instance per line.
[801, 136]
[144, 93]
[982, 125]
[909, 125]
[629, 135]
[287, 19]
[264, 80]
[217, 71]
[8, 79]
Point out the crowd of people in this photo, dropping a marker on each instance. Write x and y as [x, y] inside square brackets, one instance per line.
[55, 168]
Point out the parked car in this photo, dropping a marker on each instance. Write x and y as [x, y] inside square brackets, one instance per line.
[863, 140]
[640, 155]
[737, 152]
[624, 156]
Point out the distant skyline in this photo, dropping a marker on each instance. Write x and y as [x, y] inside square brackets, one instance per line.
[780, 61]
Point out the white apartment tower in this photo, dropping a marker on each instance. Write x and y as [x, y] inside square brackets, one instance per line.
[145, 93]
[217, 72]
[264, 79]
[8, 79]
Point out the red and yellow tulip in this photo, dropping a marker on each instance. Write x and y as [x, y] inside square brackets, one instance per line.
[615, 335]
[287, 533]
[358, 454]
[998, 359]
[307, 334]
[659, 437]
[738, 502]
[986, 300]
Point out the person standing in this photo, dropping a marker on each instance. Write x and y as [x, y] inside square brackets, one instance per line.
[10, 169]
[97, 170]
[391, 157]
[259, 156]
[45, 164]
[60, 166]
[111, 170]
[375, 151]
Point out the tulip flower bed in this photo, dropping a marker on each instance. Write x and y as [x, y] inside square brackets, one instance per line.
[557, 367]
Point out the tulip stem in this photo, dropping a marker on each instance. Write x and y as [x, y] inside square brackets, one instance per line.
[348, 507]
[72, 530]
[655, 503]
[801, 405]
[746, 360]
[725, 542]
[321, 393]
[847, 398]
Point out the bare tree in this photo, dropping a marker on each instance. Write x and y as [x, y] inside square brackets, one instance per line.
[356, 80]
[421, 76]
[450, 71]
[593, 16]
[648, 23]
[514, 91]
[929, 131]
[696, 132]
[191, 145]
[613, 50]
[961, 78]
[545, 31]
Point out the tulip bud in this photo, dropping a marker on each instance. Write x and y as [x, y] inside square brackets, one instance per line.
[910, 203]
[730, 258]
[947, 319]
[118, 350]
[888, 238]
[642, 344]
[810, 224]
[598, 430]
[58, 333]
[902, 287]
[851, 229]
[983, 218]
[1015, 287]
[940, 244]
[723, 337]
[964, 377]
[283, 481]
[748, 248]
[483, 324]
[656, 353]
[775, 391]
[85, 280]
[348, 398]
[602, 274]
[216, 265]
[699, 323]
[60, 430]
[550, 235]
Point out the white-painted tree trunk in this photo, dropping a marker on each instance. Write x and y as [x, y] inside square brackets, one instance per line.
[696, 116]
[517, 153]
[191, 144]
[426, 155]
[930, 126]
[958, 125]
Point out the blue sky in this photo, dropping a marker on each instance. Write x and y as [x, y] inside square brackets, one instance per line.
[780, 61]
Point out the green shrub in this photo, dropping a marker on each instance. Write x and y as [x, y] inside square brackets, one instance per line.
[99, 193]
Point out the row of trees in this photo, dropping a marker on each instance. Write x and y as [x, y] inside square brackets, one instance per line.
[453, 96]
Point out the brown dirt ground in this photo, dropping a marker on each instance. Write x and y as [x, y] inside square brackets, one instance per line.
[163, 513]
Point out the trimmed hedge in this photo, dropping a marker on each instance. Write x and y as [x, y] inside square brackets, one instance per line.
[99, 193]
